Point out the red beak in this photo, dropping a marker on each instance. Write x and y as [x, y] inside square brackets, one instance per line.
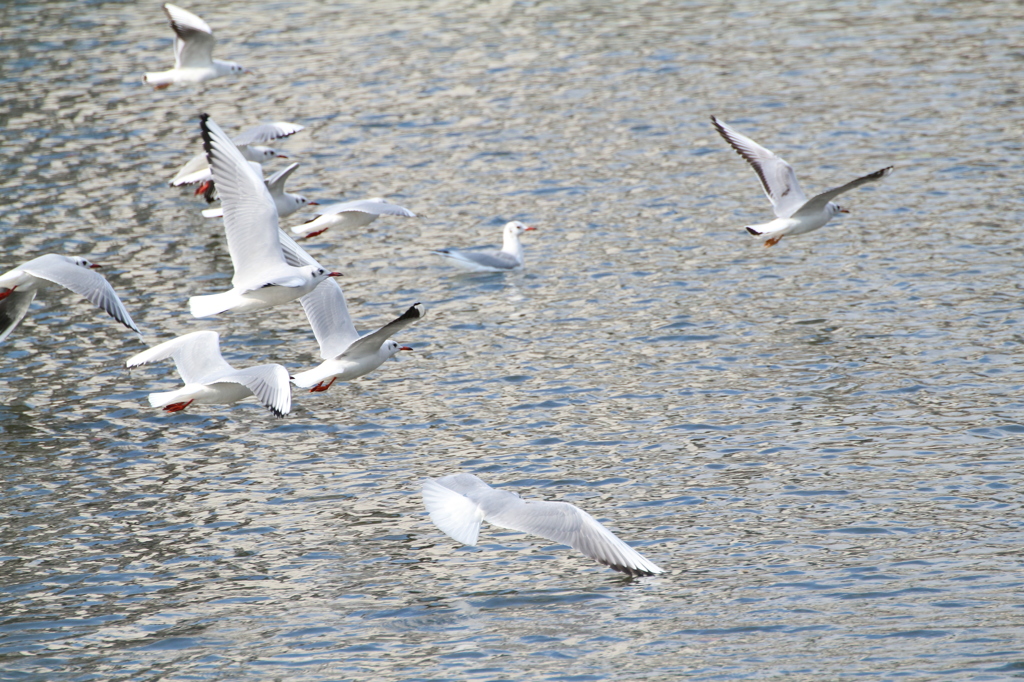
[335, 274]
[94, 266]
[404, 348]
[281, 156]
[528, 228]
[312, 203]
[843, 210]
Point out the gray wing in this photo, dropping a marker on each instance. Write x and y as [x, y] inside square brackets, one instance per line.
[275, 183]
[329, 317]
[82, 281]
[193, 42]
[250, 215]
[818, 203]
[498, 260]
[566, 524]
[294, 254]
[269, 383]
[196, 355]
[266, 132]
[778, 180]
[371, 343]
[13, 309]
[376, 206]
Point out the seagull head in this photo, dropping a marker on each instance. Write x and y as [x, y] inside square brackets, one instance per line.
[83, 263]
[266, 153]
[834, 208]
[319, 274]
[299, 201]
[391, 348]
[518, 228]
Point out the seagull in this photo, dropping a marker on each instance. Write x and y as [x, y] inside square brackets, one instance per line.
[210, 380]
[349, 215]
[193, 53]
[285, 202]
[346, 354]
[262, 276]
[459, 502]
[795, 214]
[509, 258]
[18, 288]
[250, 142]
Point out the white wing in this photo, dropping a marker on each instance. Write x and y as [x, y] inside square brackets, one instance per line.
[193, 43]
[196, 355]
[275, 183]
[265, 132]
[82, 281]
[818, 203]
[455, 514]
[371, 343]
[329, 317]
[185, 174]
[13, 309]
[556, 521]
[250, 216]
[376, 206]
[778, 180]
[270, 384]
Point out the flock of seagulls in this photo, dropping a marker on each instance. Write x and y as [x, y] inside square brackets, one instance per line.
[271, 269]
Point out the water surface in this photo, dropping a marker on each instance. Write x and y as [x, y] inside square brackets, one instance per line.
[821, 441]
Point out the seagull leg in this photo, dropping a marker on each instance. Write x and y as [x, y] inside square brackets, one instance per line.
[163, 86]
[773, 241]
[203, 187]
[320, 388]
[314, 234]
[177, 407]
[7, 292]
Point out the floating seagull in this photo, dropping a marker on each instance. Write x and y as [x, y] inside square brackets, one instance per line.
[193, 53]
[210, 380]
[349, 215]
[262, 276]
[795, 214]
[346, 354]
[285, 202]
[250, 143]
[459, 502]
[18, 288]
[509, 258]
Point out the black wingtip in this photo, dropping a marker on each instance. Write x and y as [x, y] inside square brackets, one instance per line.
[752, 231]
[413, 313]
[207, 139]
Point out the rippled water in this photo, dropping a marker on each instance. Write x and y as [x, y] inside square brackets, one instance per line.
[820, 441]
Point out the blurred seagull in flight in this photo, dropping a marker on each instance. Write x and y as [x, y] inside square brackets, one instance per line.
[193, 53]
[18, 288]
[795, 214]
[263, 276]
[349, 215]
[209, 379]
[459, 502]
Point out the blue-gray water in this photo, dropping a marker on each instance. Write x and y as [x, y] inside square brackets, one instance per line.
[821, 442]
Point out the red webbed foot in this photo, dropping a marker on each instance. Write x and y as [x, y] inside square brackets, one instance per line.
[177, 407]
